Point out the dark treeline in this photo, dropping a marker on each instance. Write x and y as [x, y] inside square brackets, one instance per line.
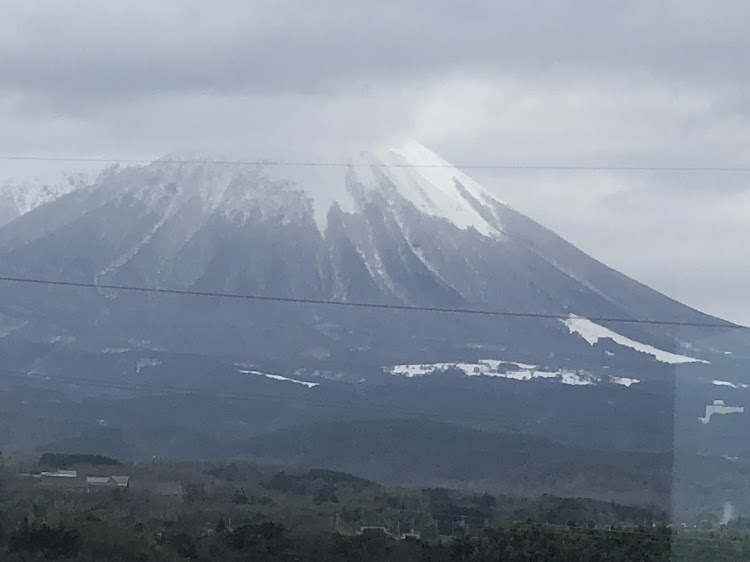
[64, 460]
[90, 538]
[249, 511]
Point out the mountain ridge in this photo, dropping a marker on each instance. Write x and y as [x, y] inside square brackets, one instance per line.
[411, 230]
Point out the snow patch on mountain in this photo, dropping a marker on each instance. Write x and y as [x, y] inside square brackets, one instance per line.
[730, 384]
[405, 228]
[624, 381]
[19, 197]
[279, 378]
[428, 182]
[115, 350]
[498, 369]
[63, 339]
[592, 333]
[325, 186]
[146, 362]
[510, 370]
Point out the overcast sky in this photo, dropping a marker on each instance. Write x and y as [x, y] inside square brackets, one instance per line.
[548, 82]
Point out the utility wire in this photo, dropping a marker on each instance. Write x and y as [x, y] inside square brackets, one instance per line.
[368, 305]
[314, 164]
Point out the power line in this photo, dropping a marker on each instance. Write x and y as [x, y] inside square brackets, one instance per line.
[367, 305]
[333, 164]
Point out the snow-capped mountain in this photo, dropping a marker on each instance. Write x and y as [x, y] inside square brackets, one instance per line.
[396, 225]
[18, 197]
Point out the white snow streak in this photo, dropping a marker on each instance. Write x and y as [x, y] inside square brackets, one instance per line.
[279, 378]
[509, 370]
[730, 384]
[24, 196]
[428, 182]
[445, 195]
[592, 333]
[724, 383]
[495, 368]
[147, 362]
[624, 381]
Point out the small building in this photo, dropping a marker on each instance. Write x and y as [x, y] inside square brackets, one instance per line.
[107, 481]
[122, 481]
[719, 407]
[411, 535]
[99, 481]
[373, 529]
[59, 474]
[62, 480]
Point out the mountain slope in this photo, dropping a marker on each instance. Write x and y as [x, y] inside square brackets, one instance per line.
[18, 197]
[409, 452]
[398, 225]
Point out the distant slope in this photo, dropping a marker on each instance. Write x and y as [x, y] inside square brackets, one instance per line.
[387, 229]
[18, 197]
[420, 452]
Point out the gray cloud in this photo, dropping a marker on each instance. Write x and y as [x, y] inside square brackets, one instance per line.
[691, 245]
[578, 82]
[109, 51]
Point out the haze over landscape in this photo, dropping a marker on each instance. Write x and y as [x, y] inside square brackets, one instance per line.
[540, 85]
[280, 287]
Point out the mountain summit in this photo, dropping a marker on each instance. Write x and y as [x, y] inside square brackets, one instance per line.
[394, 225]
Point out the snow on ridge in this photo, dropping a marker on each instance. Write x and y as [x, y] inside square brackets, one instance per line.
[509, 370]
[724, 383]
[593, 332]
[624, 381]
[146, 362]
[729, 384]
[441, 173]
[428, 182]
[498, 369]
[431, 186]
[419, 175]
[279, 378]
[19, 197]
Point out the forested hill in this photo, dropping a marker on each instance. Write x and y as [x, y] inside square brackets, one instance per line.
[245, 511]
